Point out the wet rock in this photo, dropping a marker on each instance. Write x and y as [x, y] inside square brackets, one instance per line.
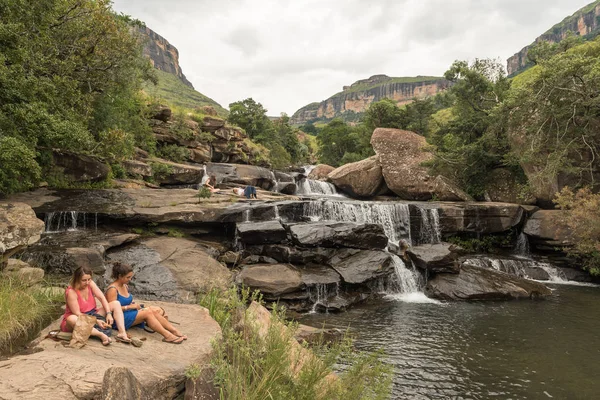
[272, 279]
[359, 266]
[178, 174]
[360, 179]
[476, 217]
[19, 227]
[441, 257]
[137, 168]
[474, 283]
[311, 335]
[256, 259]
[401, 154]
[522, 268]
[295, 255]
[80, 167]
[119, 383]
[319, 275]
[261, 232]
[577, 275]
[339, 234]
[544, 229]
[320, 172]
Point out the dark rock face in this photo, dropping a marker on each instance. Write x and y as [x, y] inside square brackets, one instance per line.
[271, 279]
[242, 175]
[545, 231]
[474, 283]
[436, 258]
[359, 266]
[261, 232]
[339, 234]
[179, 174]
[120, 383]
[479, 217]
[19, 227]
[505, 188]
[80, 167]
[360, 179]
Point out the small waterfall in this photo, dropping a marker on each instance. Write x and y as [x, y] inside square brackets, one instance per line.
[310, 186]
[246, 215]
[68, 221]
[430, 226]
[523, 268]
[406, 284]
[319, 294]
[522, 246]
[276, 213]
[393, 217]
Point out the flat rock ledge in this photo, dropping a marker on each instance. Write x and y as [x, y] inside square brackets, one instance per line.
[57, 371]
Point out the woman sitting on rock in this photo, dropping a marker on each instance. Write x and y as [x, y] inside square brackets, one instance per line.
[134, 313]
[80, 296]
[210, 184]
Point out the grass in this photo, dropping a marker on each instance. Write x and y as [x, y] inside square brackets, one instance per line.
[23, 312]
[255, 362]
[174, 92]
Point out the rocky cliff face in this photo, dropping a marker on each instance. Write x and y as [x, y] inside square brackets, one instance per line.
[585, 22]
[355, 99]
[162, 54]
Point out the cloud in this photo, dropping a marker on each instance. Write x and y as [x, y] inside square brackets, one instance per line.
[286, 54]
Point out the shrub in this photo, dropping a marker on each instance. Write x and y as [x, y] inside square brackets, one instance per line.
[173, 152]
[204, 193]
[116, 145]
[19, 171]
[160, 171]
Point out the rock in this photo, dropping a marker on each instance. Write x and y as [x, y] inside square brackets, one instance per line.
[474, 283]
[359, 266]
[320, 172]
[359, 179]
[119, 383]
[261, 232]
[503, 187]
[441, 257]
[208, 110]
[522, 268]
[13, 265]
[28, 276]
[177, 174]
[545, 229]
[80, 167]
[339, 234]
[163, 113]
[285, 187]
[576, 275]
[230, 258]
[283, 177]
[271, 279]
[19, 227]
[92, 258]
[401, 154]
[319, 275]
[201, 154]
[242, 174]
[255, 259]
[298, 256]
[137, 168]
[82, 376]
[230, 133]
[476, 217]
[311, 335]
[202, 387]
[211, 123]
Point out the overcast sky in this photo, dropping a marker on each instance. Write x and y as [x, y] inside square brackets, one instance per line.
[286, 54]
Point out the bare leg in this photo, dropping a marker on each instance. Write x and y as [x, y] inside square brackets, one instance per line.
[159, 311]
[115, 306]
[168, 326]
[147, 316]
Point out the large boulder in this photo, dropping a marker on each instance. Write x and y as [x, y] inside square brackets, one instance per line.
[544, 229]
[271, 279]
[19, 227]
[503, 187]
[401, 154]
[478, 217]
[211, 123]
[360, 266]
[242, 174]
[339, 234]
[261, 232]
[137, 168]
[474, 283]
[359, 179]
[177, 174]
[22, 272]
[440, 257]
[80, 167]
[320, 172]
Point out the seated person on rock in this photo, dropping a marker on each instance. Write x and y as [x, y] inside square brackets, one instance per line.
[80, 296]
[249, 192]
[134, 313]
[210, 184]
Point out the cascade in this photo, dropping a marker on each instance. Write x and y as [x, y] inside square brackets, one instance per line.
[246, 215]
[430, 226]
[523, 268]
[393, 217]
[67, 221]
[310, 186]
[276, 212]
[320, 293]
[406, 284]
[522, 246]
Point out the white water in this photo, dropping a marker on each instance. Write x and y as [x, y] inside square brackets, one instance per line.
[430, 226]
[393, 217]
[518, 267]
[68, 221]
[406, 284]
[312, 187]
[522, 247]
[320, 294]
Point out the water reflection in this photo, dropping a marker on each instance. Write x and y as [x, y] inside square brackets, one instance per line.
[508, 350]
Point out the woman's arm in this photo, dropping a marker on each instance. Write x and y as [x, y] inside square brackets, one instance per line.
[73, 303]
[111, 295]
[100, 296]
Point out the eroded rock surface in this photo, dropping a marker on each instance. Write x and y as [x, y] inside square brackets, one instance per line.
[360, 179]
[339, 234]
[19, 227]
[440, 257]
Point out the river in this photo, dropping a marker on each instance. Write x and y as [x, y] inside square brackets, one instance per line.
[501, 350]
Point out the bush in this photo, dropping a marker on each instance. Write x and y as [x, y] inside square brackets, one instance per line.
[173, 153]
[204, 193]
[19, 171]
[116, 145]
[160, 171]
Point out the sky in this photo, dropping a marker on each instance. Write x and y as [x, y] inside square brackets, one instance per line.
[286, 54]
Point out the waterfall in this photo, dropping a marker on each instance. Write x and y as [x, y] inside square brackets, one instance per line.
[67, 221]
[523, 268]
[430, 226]
[522, 246]
[310, 186]
[276, 213]
[246, 215]
[320, 293]
[393, 217]
[406, 284]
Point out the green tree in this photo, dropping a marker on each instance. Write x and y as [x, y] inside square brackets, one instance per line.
[385, 114]
[19, 170]
[252, 117]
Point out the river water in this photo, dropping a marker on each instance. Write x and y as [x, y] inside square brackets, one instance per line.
[501, 350]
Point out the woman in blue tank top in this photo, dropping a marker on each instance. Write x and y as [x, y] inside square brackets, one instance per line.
[134, 313]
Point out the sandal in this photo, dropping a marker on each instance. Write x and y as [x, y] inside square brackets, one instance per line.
[123, 340]
[177, 340]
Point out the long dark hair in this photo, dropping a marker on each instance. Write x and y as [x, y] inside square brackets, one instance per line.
[120, 269]
[78, 274]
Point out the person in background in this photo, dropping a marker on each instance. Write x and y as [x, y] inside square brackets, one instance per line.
[210, 184]
[249, 192]
[134, 313]
[80, 298]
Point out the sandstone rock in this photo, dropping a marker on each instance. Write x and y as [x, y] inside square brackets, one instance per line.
[261, 232]
[163, 113]
[272, 279]
[19, 227]
[242, 174]
[319, 275]
[178, 174]
[522, 268]
[202, 387]
[283, 177]
[477, 217]
[285, 187]
[543, 228]
[92, 258]
[45, 375]
[401, 154]
[230, 258]
[201, 154]
[80, 167]
[230, 133]
[320, 172]
[441, 257]
[359, 179]
[28, 276]
[211, 124]
[503, 187]
[14, 264]
[137, 168]
[119, 383]
[339, 234]
[474, 283]
[208, 110]
[359, 266]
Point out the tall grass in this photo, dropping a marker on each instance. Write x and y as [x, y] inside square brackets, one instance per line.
[257, 362]
[23, 312]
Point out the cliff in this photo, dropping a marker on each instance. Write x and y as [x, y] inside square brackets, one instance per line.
[584, 22]
[353, 100]
[162, 54]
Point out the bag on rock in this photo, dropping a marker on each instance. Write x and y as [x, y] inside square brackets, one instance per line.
[82, 330]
